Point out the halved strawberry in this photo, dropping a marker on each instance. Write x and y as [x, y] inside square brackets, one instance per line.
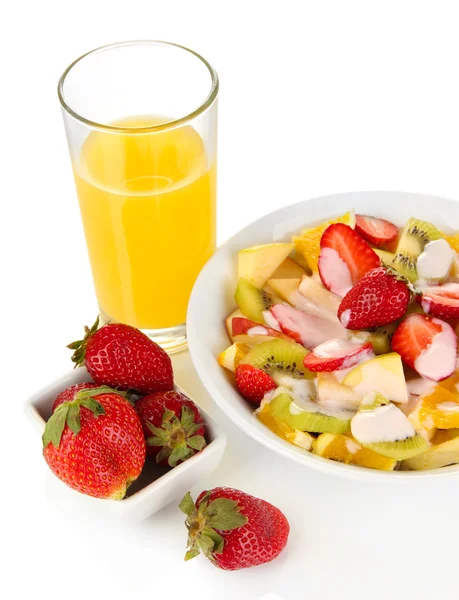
[245, 327]
[307, 329]
[427, 345]
[344, 258]
[378, 232]
[441, 300]
[379, 298]
[253, 383]
[335, 355]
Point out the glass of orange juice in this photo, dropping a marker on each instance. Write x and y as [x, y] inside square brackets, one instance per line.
[141, 123]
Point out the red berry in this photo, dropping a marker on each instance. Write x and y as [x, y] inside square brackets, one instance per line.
[123, 357]
[172, 425]
[253, 383]
[441, 301]
[427, 345]
[242, 326]
[69, 394]
[380, 297]
[95, 443]
[378, 232]
[344, 258]
[347, 354]
[233, 529]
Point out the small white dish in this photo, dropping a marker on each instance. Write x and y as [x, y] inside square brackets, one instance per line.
[156, 486]
[212, 300]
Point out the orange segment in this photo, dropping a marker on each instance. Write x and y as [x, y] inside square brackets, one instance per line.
[307, 244]
[297, 438]
[451, 384]
[439, 409]
[345, 449]
[453, 241]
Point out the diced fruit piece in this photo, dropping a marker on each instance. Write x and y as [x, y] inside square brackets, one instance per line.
[253, 383]
[415, 236]
[336, 354]
[278, 358]
[302, 439]
[232, 356]
[309, 330]
[435, 261]
[378, 232]
[441, 301]
[332, 393]
[172, 425]
[344, 258]
[314, 298]
[251, 300]
[427, 345]
[440, 454]
[382, 427]
[229, 322]
[305, 415]
[233, 529]
[286, 289]
[412, 410]
[345, 449]
[439, 409]
[379, 298]
[380, 338]
[383, 374]
[288, 269]
[451, 383]
[245, 331]
[453, 241]
[387, 258]
[308, 244]
[258, 263]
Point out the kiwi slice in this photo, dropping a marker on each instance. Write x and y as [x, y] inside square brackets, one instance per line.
[415, 235]
[305, 415]
[279, 358]
[382, 427]
[381, 338]
[251, 300]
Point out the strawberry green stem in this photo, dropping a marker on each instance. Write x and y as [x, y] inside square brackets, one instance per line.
[80, 345]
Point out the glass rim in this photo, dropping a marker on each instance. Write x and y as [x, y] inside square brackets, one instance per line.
[208, 101]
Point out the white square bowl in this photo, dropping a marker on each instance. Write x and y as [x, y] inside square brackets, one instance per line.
[156, 486]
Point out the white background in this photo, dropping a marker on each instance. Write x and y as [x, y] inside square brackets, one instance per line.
[316, 97]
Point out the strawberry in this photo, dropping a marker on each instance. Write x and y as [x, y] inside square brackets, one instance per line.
[172, 425]
[335, 355]
[243, 326]
[441, 301]
[378, 232]
[233, 529]
[121, 356]
[305, 328]
[94, 443]
[380, 297]
[344, 258]
[427, 345]
[69, 394]
[253, 383]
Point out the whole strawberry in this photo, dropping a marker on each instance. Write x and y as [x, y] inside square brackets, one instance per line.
[69, 394]
[95, 443]
[253, 383]
[121, 356]
[380, 297]
[233, 529]
[173, 426]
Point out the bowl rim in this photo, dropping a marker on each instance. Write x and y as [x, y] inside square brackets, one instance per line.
[305, 458]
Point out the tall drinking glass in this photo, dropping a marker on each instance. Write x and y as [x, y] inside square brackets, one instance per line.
[141, 124]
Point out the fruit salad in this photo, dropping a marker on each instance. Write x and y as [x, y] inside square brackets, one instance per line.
[344, 341]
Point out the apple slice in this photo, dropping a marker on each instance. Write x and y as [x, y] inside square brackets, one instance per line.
[258, 263]
[306, 329]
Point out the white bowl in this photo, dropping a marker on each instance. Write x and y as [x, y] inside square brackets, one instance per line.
[156, 486]
[212, 300]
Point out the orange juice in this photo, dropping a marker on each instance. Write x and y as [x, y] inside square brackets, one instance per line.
[148, 206]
